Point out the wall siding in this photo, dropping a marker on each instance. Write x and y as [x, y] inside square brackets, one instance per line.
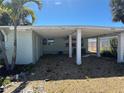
[24, 47]
[59, 45]
[37, 46]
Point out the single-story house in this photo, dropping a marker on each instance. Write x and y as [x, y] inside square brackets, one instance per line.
[36, 41]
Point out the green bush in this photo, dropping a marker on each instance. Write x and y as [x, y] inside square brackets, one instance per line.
[113, 49]
[113, 45]
[106, 53]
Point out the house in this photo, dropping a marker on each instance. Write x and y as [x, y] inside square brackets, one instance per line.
[36, 41]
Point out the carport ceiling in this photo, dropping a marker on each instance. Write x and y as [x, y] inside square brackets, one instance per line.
[87, 31]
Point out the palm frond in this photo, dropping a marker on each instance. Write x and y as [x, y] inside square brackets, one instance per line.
[117, 8]
[1, 1]
[19, 11]
[38, 2]
[27, 11]
[4, 10]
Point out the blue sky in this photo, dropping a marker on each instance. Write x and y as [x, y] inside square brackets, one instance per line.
[75, 12]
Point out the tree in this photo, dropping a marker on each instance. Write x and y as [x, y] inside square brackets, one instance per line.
[18, 12]
[3, 50]
[117, 7]
[3, 10]
[4, 17]
[4, 20]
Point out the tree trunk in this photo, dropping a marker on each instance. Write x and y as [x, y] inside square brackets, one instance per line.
[14, 48]
[2, 47]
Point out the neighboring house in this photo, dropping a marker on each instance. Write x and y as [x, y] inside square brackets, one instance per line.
[36, 41]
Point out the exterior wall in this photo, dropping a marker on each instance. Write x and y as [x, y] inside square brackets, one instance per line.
[60, 45]
[37, 46]
[85, 41]
[24, 47]
[29, 47]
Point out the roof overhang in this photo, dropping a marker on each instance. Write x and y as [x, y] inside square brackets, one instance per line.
[64, 31]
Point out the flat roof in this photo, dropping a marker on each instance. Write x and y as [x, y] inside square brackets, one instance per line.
[65, 30]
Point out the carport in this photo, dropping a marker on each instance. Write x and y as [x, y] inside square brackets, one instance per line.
[26, 33]
[83, 32]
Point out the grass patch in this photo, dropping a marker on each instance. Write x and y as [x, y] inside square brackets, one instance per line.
[4, 81]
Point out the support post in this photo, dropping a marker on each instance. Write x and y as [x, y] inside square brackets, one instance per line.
[78, 47]
[98, 46]
[120, 50]
[70, 46]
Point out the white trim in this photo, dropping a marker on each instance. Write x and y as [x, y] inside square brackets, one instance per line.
[65, 27]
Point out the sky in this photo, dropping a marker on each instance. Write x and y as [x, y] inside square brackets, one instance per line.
[75, 12]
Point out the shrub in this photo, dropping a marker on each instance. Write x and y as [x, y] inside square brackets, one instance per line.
[106, 53]
[113, 49]
[113, 46]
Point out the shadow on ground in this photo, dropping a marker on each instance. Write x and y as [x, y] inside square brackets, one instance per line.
[60, 67]
[20, 88]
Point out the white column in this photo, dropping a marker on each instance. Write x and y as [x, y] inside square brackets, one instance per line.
[98, 46]
[120, 56]
[70, 46]
[78, 46]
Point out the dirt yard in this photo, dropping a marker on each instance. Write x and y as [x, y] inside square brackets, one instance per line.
[53, 67]
[60, 74]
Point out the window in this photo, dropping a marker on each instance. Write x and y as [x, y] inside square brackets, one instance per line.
[50, 41]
